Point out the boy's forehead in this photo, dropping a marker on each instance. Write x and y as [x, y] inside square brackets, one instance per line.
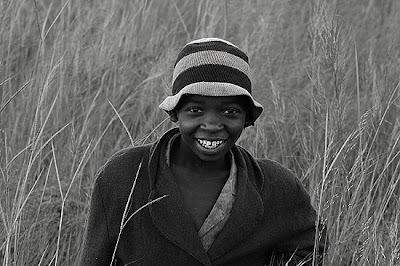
[195, 98]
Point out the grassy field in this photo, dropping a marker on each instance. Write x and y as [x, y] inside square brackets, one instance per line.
[77, 76]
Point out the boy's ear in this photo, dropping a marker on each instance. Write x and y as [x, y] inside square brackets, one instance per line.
[247, 121]
[173, 116]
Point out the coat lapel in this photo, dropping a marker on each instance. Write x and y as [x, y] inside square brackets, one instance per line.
[247, 209]
[169, 214]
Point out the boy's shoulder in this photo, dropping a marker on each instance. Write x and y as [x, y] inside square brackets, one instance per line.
[132, 151]
[279, 176]
[274, 168]
[126, 155]
[125, 161]
[271, 171]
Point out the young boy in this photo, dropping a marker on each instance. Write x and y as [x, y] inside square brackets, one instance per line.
[211, 202]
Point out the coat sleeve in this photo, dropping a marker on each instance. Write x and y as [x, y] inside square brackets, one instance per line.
[97, 247]
[306, 244]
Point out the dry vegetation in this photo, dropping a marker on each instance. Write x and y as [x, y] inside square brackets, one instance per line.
[72, 73]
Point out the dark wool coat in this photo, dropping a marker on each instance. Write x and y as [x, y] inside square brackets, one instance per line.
[271, 216]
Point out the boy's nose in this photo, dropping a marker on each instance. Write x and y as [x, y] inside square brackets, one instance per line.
[211, 122]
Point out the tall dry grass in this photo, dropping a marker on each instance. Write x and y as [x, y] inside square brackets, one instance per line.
[76, 76]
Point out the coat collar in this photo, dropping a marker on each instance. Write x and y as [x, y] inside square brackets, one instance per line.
[171, 219]
[247, 210]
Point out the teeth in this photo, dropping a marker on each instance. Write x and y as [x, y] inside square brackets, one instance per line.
[210, 144]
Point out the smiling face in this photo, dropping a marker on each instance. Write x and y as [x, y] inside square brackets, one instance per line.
[209, 125]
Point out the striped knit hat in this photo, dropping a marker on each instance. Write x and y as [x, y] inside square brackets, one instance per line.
[211, 67]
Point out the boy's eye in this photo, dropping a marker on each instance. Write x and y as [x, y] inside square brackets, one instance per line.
[194, 109]
[231, 111]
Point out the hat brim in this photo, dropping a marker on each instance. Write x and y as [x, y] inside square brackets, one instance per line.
[212, 89]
